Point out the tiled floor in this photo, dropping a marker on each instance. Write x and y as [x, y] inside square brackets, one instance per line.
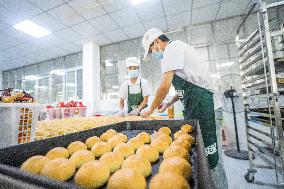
[236, 169]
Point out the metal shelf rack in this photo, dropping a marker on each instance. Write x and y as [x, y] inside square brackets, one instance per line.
[262, 77]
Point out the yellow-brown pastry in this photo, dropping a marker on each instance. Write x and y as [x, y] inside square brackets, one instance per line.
[76, 146]
[139, 164]
[90, 142]
[101, 148]
[168, 180]
[57, 152]
[145, 137]
[165, 137]
[135, 143]
[115, 140]
[111, 131]
[187, 128]
[183, 143]
[177, 165]
[122, 136]
[174, 151]
[93, 174]
[178, 133]
[165, 130]
[34, 164]
[188, 137]
[106, 136]
[159, 144]
[126, 179]
[148, 152]
[81, 157]
[59, 169]
[113, 160]
[124, 149]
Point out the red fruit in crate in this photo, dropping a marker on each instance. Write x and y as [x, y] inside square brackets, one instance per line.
[61, 105]
[49, 106]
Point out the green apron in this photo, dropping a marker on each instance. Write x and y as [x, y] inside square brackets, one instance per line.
[134, 100]
[198, 104]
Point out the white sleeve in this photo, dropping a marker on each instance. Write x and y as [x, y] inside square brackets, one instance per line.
[123, 91]
[146, 91]
[173, 58]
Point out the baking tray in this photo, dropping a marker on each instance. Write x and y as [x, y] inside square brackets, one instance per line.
[12, 157]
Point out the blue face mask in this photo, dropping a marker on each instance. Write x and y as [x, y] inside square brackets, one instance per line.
[133, 73]
[157, 55]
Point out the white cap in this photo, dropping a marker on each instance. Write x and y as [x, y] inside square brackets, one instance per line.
[132, 61]
[149, 37]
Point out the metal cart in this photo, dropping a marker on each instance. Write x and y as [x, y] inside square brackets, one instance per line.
[262, 76]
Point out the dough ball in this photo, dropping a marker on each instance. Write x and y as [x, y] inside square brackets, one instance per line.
[122, 136]
[124, 149]
[187, 137]
[177, 165]
[126, 179]
[76, 146]
[111, 131]
[187, 128]
[93, 174]
[145, 137]
[165, 137]
[135, 143]
[183, 143]
[165, 130]
[178, 133]
[168, 180]
[59, 169]
[34, 164]
[148, 152]
[101, 148]
[81, 157]
[115, 140]
[174, 151]
[90, 142]
[106, 136]
[57, 152]
[139, 164]
[159, 145]
[113, 160]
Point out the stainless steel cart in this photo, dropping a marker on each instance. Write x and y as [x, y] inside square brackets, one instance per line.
[262, 74]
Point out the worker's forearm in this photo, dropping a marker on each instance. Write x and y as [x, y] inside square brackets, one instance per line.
[121, 104]
[174, 99]
[143, 104]
[159, 97]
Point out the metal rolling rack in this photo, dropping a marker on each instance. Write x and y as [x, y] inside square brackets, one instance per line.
[262, 76]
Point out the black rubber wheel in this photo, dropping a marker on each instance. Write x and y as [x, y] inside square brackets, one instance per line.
[249, 177]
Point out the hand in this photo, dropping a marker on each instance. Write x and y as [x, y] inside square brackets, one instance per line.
[146, 114]
[121, 113]
[163, 107]
[134, 112]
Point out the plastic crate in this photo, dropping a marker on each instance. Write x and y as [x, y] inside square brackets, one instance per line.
[61, 113]
[18, 123]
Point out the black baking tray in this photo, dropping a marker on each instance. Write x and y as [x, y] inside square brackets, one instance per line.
[12, 157]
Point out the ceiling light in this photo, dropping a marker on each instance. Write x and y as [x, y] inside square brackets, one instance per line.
[215, 75]
[32, 29]
[108, 63]
[227, 64]
[135, 2]
[115, 87]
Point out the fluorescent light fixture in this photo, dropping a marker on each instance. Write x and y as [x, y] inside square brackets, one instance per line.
[32, 29]
[215, 75]
[57, 72]
[115, 87]
[227, 64]
[71, 85]
[31, 77]
[108, 63]
[135, 2]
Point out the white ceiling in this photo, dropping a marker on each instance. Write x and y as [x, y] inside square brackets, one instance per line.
[74, 22]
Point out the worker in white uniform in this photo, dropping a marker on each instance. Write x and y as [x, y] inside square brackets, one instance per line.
[182, 67]
[135, 90]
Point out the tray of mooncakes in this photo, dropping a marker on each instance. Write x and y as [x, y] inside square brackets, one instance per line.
[138, 154]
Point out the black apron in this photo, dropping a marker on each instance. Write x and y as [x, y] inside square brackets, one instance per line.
[198, 104]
